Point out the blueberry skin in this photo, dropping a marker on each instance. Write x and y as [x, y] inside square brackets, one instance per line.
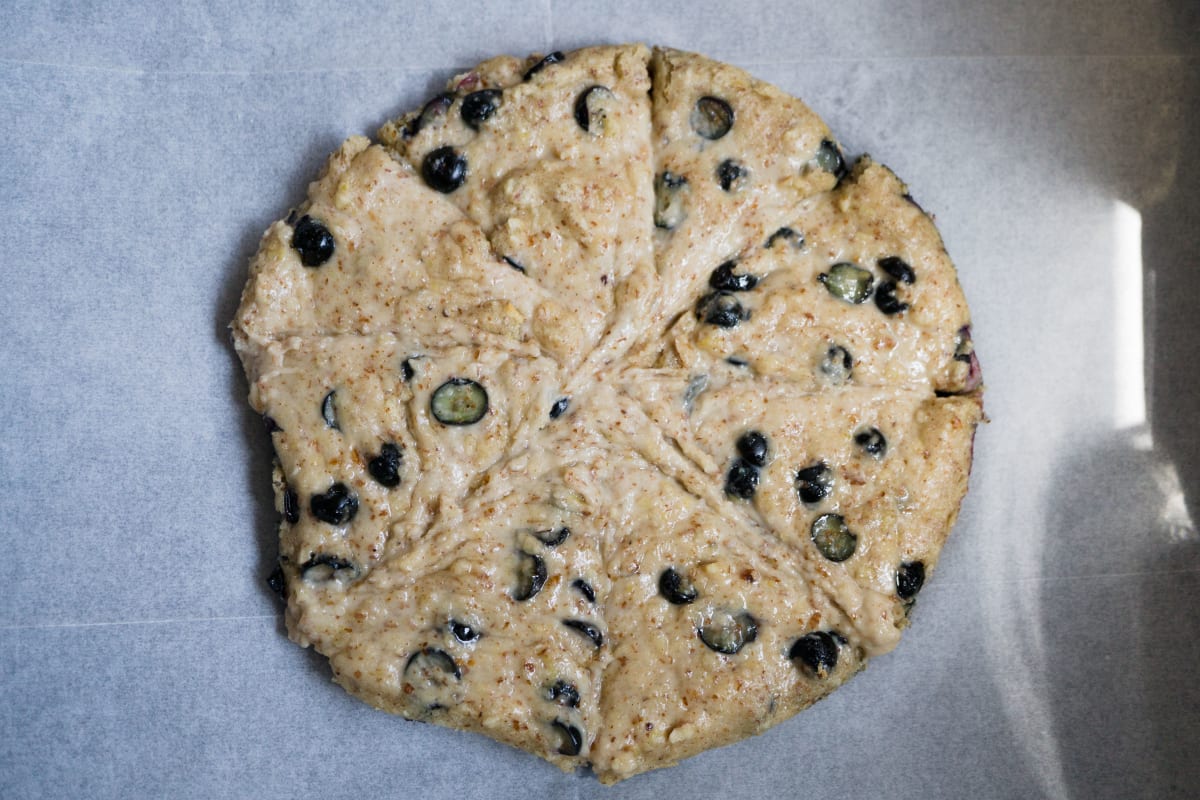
[313, 241]
[291, 506]
[572, 738]
[886, 300]
[742, 480]
[753, 447]
[337, 505]
[444, 169]
[552, 58]
[531, 576]
[587, 629]
[585, 589]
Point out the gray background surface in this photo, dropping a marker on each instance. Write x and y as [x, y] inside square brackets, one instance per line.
[1056, 652]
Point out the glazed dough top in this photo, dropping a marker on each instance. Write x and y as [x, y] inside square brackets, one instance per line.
[616, 416]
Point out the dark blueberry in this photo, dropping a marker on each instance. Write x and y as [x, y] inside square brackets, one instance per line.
[437, 106]
[886, 300]
[676, 588]
[727, 632]
[711, 117]
[814, 483]
[478, 106]
[670, 191]
[848, 282]
[271, 425]
[585, 589]
[329, 411]
[872, 442]
[560, 407]
[514, 264]
[829, 158]
[735, 361]
[787, 235]
[571, 739]
[459, 401]
[463, 632]
[723, 279]
[406, 370]
[431, 666]
[385, 467]
[837, 364]
[898, 268]
[730, 174]
[553, 537]
[291, 505]
[324, 567]
[312, 241]
[337, 505]
[563, 693]
[742, 480]
[277, 582]
[753, 447]
[587, 629]
[291, 217]
[553, 58]
[531, 576]
[831, 536]
[909, 579]
[444, 169]
[590, 108]
[817, 651]
[721, 309]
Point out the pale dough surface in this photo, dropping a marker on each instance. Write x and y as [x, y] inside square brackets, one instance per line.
[512, 574]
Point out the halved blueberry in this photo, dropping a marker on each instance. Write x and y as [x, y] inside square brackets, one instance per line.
[742, 480]
[711, 117]
[676, 588]
[325, 567]
[553, 537]
[814, 483]
[585, 589]
[431, 670]
[731, 174]
[385, 467]
[478, 106]
[463, 632]
[817, 652]
[837, 364]
[833, 539]
[444, 169]
[552, 58]
[587, 629]
[459, 401]
[571, 738]
[909, 579]
[753, 446]
[727, 631]
[337, 505]
[329, 411]
[313, 241]
[848, 282]
[721, 309]
[788, 235]
[531, 576]
[872, 442]
[591, 109]
[829, 158]
[723, 279]
[886, 300]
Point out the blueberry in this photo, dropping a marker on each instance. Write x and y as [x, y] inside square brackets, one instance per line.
[909, 579]
[514, 264]
[723, 279]
[563, 693]
[430, 674]
[291, 505]
[463, 632]
[711, 117]
[886, 300]
[898, 268]
[329, 411]
[731, 174]
[406, 370]
[752, 446]
[814, 483]
[728, 632]
[531, 576]
[277, 582]
[833, 539]
[313, 241]
[560, 407]
[676, 588]
[591, 108]
[670, 193]
[829, 158]
[337, 505]
[872, 442]
[571, 739]
[721, 309]
[788, 235]
[459, 401]
[848, 282]
[444, 169]
[437, 106]
[817, 651]
[742, 480]
[964, 348]
[736, 361]
[585, 589]
[324, 567]
[270, 424]
[552, 58]
[385, 467]
[478, 106]
[587, 629]
[553, 537]
[837, 364]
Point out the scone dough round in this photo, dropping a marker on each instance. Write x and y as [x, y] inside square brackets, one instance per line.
[617, 416]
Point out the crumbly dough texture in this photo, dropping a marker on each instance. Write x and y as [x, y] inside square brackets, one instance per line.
[730, 401]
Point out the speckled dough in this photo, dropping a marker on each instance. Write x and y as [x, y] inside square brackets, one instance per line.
[616, 416]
